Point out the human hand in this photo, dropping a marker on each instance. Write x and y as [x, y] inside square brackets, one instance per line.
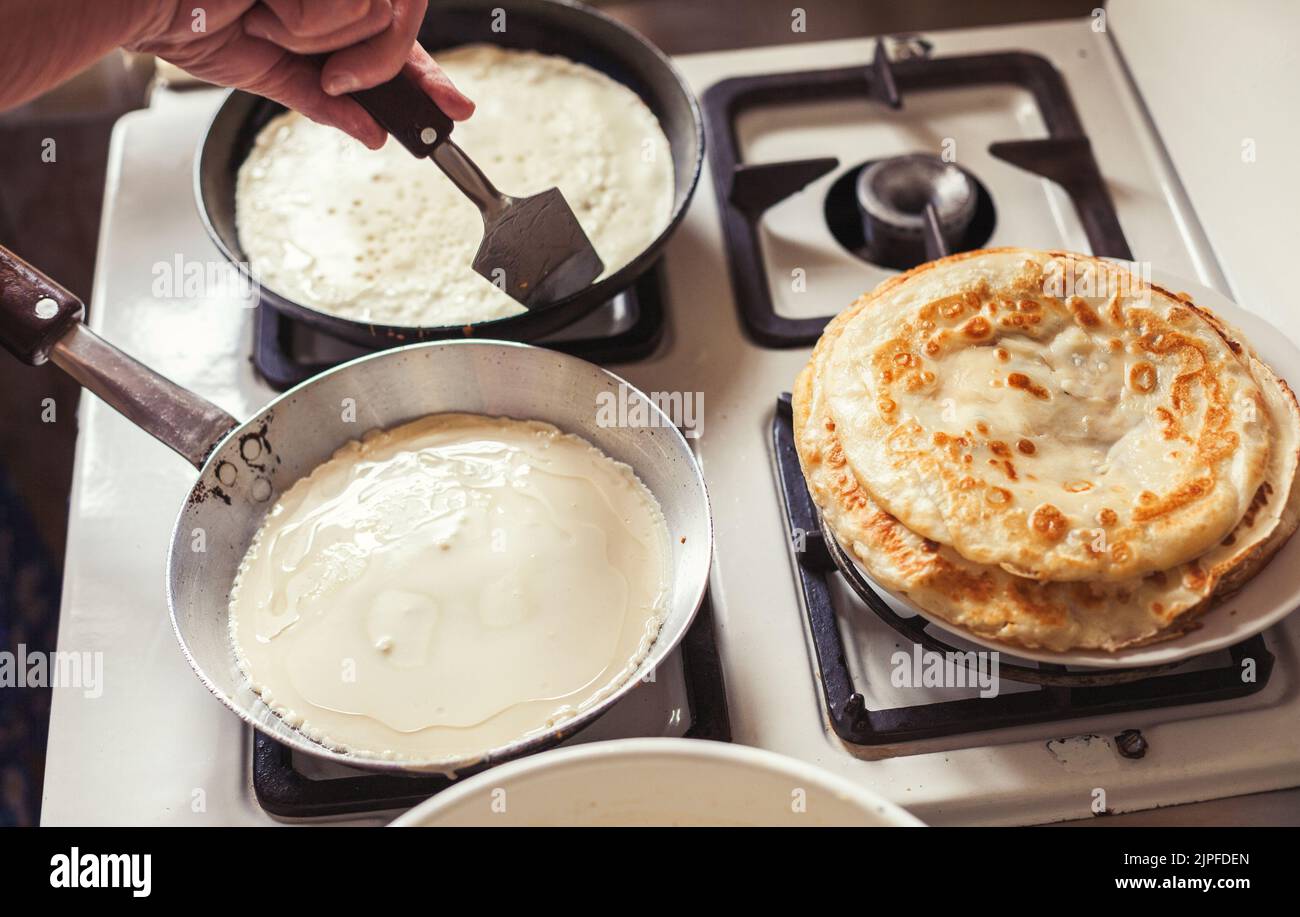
[272, 48]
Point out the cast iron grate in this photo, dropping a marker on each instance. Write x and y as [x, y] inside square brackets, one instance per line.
[1062, 694]
[634, 329]
[284, 791]
[745, 191]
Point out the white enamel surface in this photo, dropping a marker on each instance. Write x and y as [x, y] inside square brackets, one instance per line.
[657, 782]
[157, 749]
[1229, 129]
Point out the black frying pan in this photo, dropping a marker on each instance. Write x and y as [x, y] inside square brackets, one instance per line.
[549, 26]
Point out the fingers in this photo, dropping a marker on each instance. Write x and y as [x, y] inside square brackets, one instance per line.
[378, 59]
[311, 18]
[295, 83]
[426, 74]
[263, 22]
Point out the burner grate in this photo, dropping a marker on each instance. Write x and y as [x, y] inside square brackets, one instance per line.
[1062, 694]
[284, 791]
[626, 329]
[745, 191]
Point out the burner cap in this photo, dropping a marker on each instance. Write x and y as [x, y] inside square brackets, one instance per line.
[892, 195]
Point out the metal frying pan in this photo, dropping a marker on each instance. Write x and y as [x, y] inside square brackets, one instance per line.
[243, 467]
[549, 26]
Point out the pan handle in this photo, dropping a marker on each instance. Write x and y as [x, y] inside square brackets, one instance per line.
[40, 321]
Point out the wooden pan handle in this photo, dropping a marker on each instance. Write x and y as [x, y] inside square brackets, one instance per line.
[35, 312]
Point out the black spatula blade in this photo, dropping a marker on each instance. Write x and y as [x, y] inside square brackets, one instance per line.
[535, 250]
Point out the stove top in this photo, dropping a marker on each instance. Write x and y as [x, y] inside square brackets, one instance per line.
[628, 327]
[156, 749]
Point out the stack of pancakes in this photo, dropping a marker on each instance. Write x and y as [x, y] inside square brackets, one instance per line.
[1042, 449]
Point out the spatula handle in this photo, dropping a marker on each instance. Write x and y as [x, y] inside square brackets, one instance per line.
[405, 110]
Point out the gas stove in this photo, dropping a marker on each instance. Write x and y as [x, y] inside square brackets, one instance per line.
[743, 288]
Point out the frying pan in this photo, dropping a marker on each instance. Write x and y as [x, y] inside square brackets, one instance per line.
[549, 26]
[243, 468]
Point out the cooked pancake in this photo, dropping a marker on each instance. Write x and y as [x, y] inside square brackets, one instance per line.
[1049, 413]
[995, 604]
[380, 236]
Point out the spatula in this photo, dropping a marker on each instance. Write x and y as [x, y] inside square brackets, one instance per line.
[533, 247]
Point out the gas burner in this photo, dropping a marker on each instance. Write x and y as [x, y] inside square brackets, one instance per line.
[627, 328]
[1061, 693]
[745, 190]
[877, 210]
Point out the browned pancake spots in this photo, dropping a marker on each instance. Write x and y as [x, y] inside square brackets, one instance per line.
[932, 348]
[1107, 517]
[977, 328]
[904, 359]
[886, 405]
[1113, 310]
[1024, 383]
[1142, 377]
[1083, 594]
[1049, 522]
[1216, 443]
[1083, 313]
[830, 425]
[1257, 502]
[1168, 423]
[1026, 447]
[886, 356]
[1194, 577]
[951, 307]
[998, 496]
[1152, 507]
[997, 447]
[1002, 354]
[1029, 603]
[1115, 344]
[1019, 320]
[982, 427]
[1078, 487]
[1120, 553]
[835, 458]
[1157, 607]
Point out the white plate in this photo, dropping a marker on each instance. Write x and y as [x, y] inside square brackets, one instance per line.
[1268, 598]
[646, 782]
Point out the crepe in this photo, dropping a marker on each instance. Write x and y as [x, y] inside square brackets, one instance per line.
[1049, 413]
[380, 236]
[997, 604]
